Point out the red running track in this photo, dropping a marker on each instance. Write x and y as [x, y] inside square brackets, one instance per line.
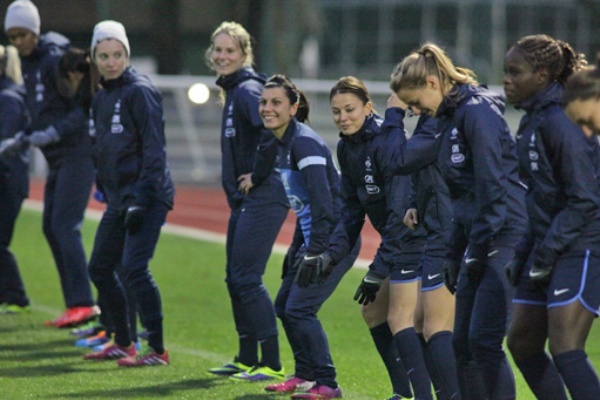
[207, 209]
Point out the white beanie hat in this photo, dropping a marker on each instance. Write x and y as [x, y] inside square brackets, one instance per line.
[109, 30]
[22, 14]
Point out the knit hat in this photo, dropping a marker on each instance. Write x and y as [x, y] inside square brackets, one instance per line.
[22, 14]
[109, 30]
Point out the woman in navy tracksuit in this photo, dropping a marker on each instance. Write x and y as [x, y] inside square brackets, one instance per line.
[388, 291]
[60, 130]
[558, 289]
[14, 177]
[257, 202]
[431, 207]
[477, 158]
[312, 185]
[132, 170]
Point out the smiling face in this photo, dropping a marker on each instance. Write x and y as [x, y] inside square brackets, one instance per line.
[227, 56]
[111, 59]
[426, 99]
[520, 80]
[276, 111]
[586, 114]
[349, 112]
[23, 39]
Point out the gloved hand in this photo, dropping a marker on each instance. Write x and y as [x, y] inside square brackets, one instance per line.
[540, 273]
[514, 268]
[451, 269]
[134, 218]
[475, 264]
[368, 288]
[313, 269]
[44, 138]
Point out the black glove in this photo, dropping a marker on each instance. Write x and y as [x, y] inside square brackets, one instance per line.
[134, 218]
[540, 273]
[314, 269]
[475, 264]
[451, 269]
[513, 270]
[368, 288]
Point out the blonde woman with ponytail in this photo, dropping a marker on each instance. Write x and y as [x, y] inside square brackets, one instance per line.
[477, 159]
[14, 177]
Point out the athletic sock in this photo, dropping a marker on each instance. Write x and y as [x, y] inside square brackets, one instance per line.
[155, 335]
[411, 355]
[578, 374]
[542, 377]
[384, 342]
[270, 352]
[443, 363]
[430, 367]
[248, 354]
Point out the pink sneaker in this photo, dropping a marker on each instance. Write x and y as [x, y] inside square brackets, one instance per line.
[112, 352]
[291, 385]
[319, 392]
[149, 357]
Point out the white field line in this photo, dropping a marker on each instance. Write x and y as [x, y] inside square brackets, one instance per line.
[184, 231]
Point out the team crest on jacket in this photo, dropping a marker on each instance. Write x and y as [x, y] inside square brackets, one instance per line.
[533, 154]
[39, 87]
[116, 126]
[457, 156]
[229, 129]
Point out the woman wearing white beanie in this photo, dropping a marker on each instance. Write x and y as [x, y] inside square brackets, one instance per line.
[132, 170]
[60, 130]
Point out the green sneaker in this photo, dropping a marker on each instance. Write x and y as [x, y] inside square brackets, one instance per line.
[231, 368]
[260, 373]
[14, 309]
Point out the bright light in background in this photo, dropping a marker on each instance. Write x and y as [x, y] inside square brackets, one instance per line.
[198, 93]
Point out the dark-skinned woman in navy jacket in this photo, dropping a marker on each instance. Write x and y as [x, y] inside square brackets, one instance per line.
[555, 267]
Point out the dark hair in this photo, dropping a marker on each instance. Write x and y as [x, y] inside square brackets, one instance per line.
[78, 60]
[294, 94]
[584, 84]
[555, 56]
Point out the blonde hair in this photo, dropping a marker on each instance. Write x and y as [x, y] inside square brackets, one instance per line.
[239, 35]
[430, 59]
[10, 63]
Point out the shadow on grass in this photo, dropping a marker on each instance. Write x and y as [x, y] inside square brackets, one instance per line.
[160, 390]
[262, 396]
[39, 351]
[42, 371]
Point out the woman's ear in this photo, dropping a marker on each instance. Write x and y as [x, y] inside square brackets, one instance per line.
[294, 109]
[368, 108]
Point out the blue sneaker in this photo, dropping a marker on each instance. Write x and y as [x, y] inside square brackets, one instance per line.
[96, 340]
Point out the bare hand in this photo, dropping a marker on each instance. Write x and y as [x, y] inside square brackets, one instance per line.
[411, 218]
[395, 102]
[245, 183]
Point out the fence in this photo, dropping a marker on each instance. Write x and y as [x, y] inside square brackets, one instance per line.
[193, 130]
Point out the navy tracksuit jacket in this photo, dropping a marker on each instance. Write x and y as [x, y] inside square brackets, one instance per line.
[14, 188]
[557, 163]
[478, 161]
[370, 187]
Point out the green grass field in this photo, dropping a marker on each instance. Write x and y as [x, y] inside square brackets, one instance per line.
[41, 362]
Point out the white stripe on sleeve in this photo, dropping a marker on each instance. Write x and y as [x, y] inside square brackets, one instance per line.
[312, 160]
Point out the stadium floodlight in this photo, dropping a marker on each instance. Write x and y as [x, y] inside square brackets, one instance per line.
[198, 93]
